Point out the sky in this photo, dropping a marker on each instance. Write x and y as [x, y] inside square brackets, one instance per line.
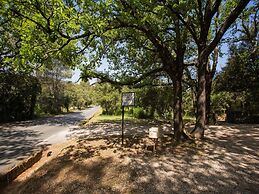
[76, 75]
[223, 59]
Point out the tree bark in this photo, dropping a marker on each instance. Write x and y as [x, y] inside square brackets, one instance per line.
[198, 131]
[176, 75]
[177, 108]
[210, 73]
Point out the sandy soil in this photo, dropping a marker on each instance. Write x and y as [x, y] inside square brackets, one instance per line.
[226, 161]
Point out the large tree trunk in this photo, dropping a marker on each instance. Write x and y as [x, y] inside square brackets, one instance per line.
[177, 108]
[198, 131]
[210, 72]
[176, 76]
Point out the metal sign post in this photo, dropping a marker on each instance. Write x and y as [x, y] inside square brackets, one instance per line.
[127, 99]
[122, 125]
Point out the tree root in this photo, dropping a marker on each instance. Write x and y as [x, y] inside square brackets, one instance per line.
[196, 133]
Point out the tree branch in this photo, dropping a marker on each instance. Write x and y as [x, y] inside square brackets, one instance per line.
[187, 24]
[86, 46]
[224, 27]
[105, 78]
[199, 12]
[32, 20]
[37, 6]
[210, 11]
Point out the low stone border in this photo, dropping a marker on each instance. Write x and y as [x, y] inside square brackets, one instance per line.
[9, 176]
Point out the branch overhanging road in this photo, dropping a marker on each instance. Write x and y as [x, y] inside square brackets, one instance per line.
[19, 140]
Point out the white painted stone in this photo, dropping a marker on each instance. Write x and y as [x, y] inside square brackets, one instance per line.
[154, 132]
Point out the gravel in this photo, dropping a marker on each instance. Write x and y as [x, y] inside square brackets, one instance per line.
[226, 161]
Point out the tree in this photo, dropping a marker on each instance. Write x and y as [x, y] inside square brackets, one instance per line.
[109, 98]
[33, 34]
[243, 65]
[200, 25]
[144, 40]
[155, 101]
[53, 97]
[10, 41]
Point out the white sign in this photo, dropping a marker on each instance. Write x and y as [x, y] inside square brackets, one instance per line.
[154, 132]
[128, 99]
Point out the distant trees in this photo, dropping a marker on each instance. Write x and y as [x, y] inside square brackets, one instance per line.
[156, 102]
[240, 76]
[25, 96]
[52, 98]
[58, 94]
[79, 95]
[150, 101]
[108, 97]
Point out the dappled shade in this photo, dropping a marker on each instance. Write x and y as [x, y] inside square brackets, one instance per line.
[226, 162]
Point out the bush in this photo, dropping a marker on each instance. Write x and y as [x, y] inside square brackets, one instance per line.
[140, 113]
[108, 97]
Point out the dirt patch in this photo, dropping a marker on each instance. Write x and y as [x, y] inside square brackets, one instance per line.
[226, 161]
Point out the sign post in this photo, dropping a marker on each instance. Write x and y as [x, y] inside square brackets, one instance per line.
[127, 99]
[122, 125]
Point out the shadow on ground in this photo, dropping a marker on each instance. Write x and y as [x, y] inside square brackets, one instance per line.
[226, 161]
[111, 129]
[18, 140]
[15, 143]
[59, 120]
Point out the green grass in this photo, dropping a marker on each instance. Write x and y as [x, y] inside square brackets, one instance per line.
[105, 118]
[129, 117]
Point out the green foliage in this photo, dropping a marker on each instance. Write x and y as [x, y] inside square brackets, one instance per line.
[240, 76]
[150, 102]
[108, 97]
[189, 103]
[79, 95]
[154, 102]
[221, 101]
[53, 98]
[18, 94]
[140, 113]
[58, 95]
[32, 37]
[242, 65]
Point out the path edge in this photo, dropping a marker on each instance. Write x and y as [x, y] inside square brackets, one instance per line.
[19, 168]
